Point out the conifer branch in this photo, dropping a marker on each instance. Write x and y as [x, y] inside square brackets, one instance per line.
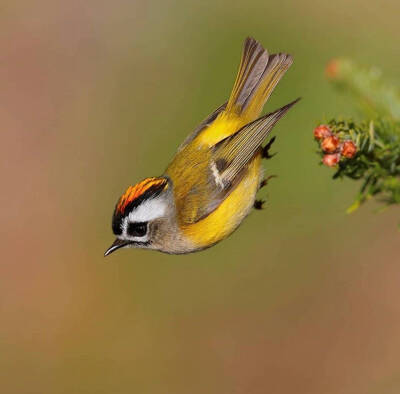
[367, 150]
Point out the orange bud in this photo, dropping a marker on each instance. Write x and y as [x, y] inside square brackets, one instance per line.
[330, 144]
[332, 69]
[349, 149]
[331, 160]
[322, 131]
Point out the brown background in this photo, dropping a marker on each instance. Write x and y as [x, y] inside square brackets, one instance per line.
[97, 95]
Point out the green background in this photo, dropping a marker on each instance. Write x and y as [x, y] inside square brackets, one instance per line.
[96, 96]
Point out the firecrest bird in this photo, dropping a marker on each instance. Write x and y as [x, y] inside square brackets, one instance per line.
[211, 184]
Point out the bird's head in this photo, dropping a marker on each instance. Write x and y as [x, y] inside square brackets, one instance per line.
[143, 215]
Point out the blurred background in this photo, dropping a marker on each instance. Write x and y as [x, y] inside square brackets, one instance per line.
[96, 96]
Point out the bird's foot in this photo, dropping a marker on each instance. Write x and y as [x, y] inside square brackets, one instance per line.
[259, 204]
[265, 150]
[264, 182]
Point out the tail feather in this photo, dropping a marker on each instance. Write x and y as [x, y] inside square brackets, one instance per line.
[257, 77]
[252, 65]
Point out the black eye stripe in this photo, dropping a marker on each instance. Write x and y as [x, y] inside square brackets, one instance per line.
[137, 229]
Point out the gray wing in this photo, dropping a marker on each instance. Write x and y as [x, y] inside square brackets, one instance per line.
[232, 154]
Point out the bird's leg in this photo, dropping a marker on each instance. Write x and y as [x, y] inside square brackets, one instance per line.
[264, 182]
[259, 204]
[265, 150]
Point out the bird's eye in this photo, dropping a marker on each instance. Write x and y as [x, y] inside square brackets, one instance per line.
[137, 229]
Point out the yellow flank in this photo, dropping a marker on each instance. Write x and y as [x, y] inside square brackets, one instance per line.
[225, 125]
[227, 217]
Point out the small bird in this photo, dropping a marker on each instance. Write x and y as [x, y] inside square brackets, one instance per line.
[211, 184]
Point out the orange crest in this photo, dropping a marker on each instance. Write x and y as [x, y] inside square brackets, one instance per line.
[138, 190]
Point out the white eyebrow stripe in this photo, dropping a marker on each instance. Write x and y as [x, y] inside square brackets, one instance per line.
[148, 210]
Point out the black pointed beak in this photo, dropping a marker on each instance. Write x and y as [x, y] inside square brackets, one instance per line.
[117, 244]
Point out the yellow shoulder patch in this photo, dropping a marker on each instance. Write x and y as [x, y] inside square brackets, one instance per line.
[222, 127]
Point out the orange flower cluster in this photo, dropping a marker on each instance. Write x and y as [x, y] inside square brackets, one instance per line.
[333, 147]
[332, 69]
